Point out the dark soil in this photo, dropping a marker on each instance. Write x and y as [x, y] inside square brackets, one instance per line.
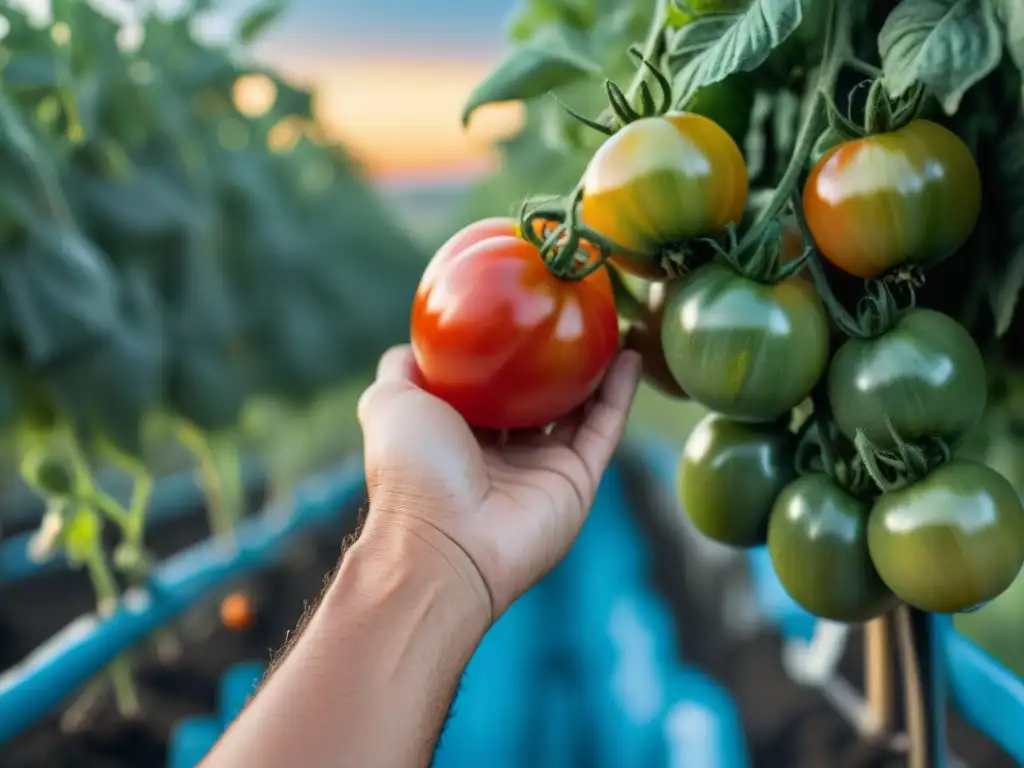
[787, 726]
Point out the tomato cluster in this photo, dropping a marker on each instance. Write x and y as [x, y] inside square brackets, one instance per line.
[864, 504]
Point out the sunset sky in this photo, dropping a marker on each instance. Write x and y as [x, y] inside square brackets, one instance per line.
[392, 76]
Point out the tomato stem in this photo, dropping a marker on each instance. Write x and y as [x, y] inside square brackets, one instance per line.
[923, 688]
[223, 498]
[835, 53]
[869, 457]
[878, 114]
[119, 670]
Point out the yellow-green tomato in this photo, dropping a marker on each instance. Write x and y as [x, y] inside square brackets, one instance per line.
[742, 348]
[661, 180]
[952, 540]
[905, 197]
[817, 539]
[729, 476]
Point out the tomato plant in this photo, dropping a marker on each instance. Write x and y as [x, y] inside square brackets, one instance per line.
[886, 312]
[952, 540]
[923, 378]
[662, 180]
[907, 197]
[742, 348]
[502, 339]
[818, 541]
[729, 476]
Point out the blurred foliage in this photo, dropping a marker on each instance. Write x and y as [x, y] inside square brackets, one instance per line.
[179, 235]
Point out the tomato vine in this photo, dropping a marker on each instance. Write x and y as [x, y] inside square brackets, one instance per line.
[884, 185]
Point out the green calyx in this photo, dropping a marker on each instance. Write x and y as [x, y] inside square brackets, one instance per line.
[571, 250]
[822, 449]
[625, 110]
[908, 463]
[759, 260]
[881, 114]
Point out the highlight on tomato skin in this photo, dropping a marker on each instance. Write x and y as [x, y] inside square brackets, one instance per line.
[742, 348]
[502, 339]
[911, 196]
[661, 180]
[950, 541]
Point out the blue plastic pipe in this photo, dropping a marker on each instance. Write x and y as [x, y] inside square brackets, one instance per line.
[67, 661]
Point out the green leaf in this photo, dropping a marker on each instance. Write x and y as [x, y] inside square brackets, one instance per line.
[710, 48]
[60, 292]
[1004, 293]
[93, 389]
[948, 45]
[258, 20]
[1011, 13]
[533, 69]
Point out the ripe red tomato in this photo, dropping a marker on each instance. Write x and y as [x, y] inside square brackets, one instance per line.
[503, 340]
[905, 197]
[661, 180]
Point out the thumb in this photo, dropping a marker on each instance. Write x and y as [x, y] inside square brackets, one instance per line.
[396, 373]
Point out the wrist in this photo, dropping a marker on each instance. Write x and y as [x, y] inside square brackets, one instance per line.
[402, 557]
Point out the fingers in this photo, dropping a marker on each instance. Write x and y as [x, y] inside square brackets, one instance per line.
[397, 364]
[396, 371]
[601, 429]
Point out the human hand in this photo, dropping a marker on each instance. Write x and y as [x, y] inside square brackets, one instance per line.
[502, 513]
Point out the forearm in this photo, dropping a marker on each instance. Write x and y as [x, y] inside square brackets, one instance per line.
[370, 680]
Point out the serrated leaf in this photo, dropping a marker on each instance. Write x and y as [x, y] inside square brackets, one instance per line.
[534, 69]
[1005, 292]
[258, 20]
[713, 47]
[948, 45]
[1011, 13]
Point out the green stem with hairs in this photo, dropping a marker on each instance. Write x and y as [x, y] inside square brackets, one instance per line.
[835, 53]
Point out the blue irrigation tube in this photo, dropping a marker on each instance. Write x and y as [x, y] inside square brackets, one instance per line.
[59, 667]
[173, 497]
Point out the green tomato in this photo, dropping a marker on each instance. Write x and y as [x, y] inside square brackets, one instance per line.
[817, 539]
[952, 540]
[729, 476]
[742, 348]
[926, 375]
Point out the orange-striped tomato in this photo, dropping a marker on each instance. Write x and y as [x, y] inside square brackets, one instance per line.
[662, 180]
[907, 197]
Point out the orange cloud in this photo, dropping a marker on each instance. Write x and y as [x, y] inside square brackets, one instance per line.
[402, 117]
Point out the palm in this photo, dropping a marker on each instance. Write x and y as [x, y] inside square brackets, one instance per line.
[515, 505]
